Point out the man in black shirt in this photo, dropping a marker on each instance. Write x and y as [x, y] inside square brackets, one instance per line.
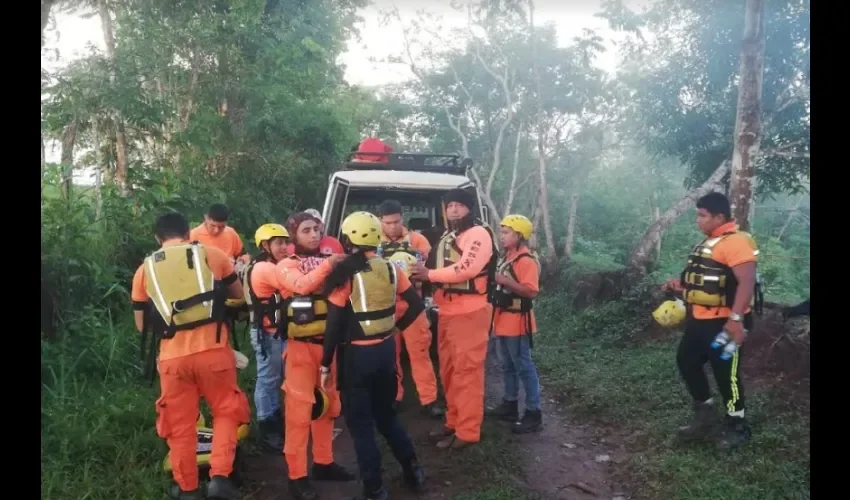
[361, 329]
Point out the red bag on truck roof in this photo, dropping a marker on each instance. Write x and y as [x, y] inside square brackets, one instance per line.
[372, 145]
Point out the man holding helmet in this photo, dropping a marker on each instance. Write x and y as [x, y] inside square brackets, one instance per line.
[404, 247]
[718, 285]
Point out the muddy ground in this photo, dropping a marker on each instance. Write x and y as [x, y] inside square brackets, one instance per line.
[564, 461]
[569, 459]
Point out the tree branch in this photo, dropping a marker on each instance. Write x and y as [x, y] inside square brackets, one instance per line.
[640, 255]
[513, 187]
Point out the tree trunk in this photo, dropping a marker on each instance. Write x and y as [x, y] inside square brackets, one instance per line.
[534, 242]
[790, 218]
[541, 147]
[512, 190]
[571, 223]
[752, 218]
[69, 139]
[641, 254]
[748, 120]
[98, 173]
[120, 175]
[656, 214]
[482, 192]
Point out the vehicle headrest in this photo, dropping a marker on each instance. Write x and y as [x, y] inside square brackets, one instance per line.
[419, 223]
[433, 234]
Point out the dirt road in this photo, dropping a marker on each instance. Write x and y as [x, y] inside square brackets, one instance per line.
[564, 461]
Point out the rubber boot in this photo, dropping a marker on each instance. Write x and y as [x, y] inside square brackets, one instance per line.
[441, 433]
[414, 476]
[532, 421]
[270, 438]
[703, 422]
[331, 472]
[507, 411]
[734, 432]
[175, 493]
[302, 489]
[433, 410]
[221, 488]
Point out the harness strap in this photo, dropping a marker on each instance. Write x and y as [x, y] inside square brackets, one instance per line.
[183, 304]
[320, 340]
[374, 315]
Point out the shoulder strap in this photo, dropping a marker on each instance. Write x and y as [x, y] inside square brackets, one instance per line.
[391, 268]
[254, 299]
[516, 259]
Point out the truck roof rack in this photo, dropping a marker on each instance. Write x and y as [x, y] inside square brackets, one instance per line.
[415, 162]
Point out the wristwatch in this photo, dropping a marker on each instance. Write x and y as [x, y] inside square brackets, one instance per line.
[735, 317]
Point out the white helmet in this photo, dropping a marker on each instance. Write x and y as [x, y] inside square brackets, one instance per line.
[315, 213]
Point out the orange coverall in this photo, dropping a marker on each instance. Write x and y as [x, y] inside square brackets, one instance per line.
[462, 333]
[417, 337]
[192, 365]
[303, 360]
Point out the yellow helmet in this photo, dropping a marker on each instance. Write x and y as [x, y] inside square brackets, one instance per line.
[322, 404]
[670, 314]
[269, 231]
[362, 229]
[403, 261]
[520, 224]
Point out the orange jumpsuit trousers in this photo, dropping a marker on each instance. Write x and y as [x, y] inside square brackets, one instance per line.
[184, 380]
[303, 360]
[462, 346]
[417, 340]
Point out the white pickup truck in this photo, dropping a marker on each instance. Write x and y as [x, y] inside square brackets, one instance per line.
[417, 181]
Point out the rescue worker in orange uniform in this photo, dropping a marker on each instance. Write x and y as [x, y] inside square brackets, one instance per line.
[363, 292]
[514, 324]
[465, 262]
[268, 335]
[395, 239]
[187, 284]
[300, 280]
[215, 232]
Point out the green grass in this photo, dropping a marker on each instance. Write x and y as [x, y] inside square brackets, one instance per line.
[637, 389]
[98, 420]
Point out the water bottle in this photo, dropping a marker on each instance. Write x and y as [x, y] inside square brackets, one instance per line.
[729, 346]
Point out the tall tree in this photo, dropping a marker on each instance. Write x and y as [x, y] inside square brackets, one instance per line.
[681, 71]
[748, 120]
